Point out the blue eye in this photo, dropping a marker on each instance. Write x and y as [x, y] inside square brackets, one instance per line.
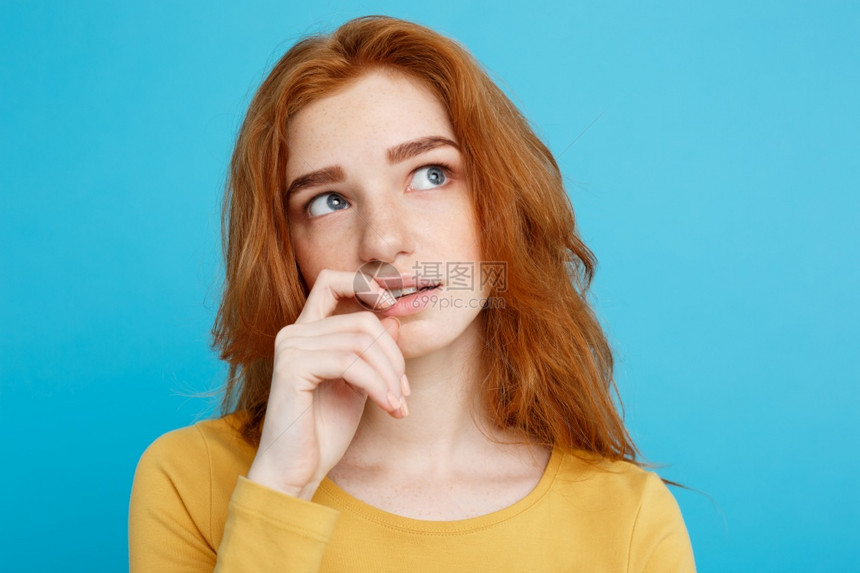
[429, 177]
[333, 201]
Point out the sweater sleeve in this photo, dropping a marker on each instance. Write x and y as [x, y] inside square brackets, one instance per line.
[170, 517]
[659, 542]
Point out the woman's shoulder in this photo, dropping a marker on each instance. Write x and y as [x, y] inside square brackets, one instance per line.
[190, 473]
[206, 438]
[209, 451]
[627, 504]
[621, 484]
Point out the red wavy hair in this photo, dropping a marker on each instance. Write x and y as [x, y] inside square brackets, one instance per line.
[547, 361]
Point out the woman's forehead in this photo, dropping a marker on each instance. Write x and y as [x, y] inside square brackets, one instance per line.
[379, 110]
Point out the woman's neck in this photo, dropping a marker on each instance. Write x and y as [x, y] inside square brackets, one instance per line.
[446, 460]
[446, 423]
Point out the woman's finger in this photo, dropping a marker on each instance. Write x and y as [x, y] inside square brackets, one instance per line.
[370, 348]
[383, 332]
[332, 286]
[354, 369]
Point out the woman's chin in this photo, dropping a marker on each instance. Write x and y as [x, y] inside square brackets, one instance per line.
[420, 339]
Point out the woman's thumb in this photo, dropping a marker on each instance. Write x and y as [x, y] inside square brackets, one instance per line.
[392, 325]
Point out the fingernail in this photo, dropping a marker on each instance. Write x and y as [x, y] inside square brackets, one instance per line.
[404, 385]
[393, 401]
[403, 407]
[387, 299]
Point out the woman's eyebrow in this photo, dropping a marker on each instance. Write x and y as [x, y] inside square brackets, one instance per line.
[322, 177]
[410, 149]
[396, 154]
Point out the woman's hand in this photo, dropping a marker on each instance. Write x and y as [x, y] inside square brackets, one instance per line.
[325, 368]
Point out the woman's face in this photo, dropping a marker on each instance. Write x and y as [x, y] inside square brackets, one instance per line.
[387, 186]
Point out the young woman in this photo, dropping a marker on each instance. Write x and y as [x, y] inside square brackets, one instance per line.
[368, 427]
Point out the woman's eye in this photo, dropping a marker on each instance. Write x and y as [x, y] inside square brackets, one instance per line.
[325, 203]
[428, 177]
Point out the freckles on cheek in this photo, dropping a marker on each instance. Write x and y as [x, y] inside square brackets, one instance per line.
[307, 267]
[314, 256]
[304, 259]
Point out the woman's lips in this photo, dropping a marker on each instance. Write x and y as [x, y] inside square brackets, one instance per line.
[412, 303]
[398, 292]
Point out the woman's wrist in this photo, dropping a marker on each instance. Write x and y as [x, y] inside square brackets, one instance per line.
[306, 491]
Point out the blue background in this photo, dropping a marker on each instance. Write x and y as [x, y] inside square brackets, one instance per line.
[711, 155]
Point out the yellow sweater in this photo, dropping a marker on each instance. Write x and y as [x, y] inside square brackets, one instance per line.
[193, 510]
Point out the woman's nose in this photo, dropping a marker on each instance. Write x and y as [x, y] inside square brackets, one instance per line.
[385, 230]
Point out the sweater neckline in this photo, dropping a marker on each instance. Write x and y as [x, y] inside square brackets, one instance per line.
[338, 498]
